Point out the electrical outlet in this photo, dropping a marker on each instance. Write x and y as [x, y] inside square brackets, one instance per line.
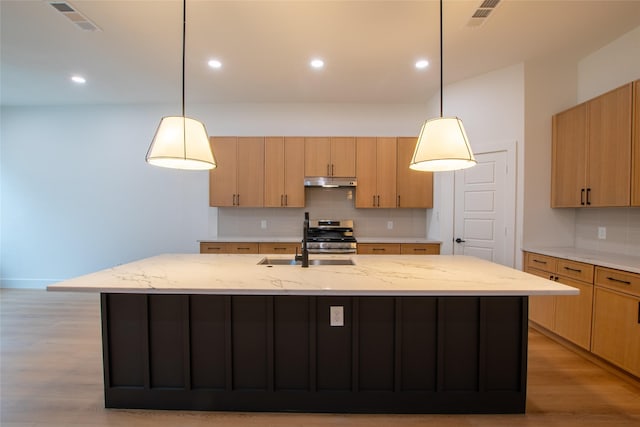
[336, 315]
[263, 224]
[389, 225]
[602, 233]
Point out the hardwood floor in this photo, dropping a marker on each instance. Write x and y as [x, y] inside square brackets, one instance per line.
[51, 375]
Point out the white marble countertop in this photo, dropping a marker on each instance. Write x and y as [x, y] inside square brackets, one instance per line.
[397, 275]
[604, 259]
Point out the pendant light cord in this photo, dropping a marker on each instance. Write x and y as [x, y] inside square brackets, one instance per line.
[184, 36]
[441, 61]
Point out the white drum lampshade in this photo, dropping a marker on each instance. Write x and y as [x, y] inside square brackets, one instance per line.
[181, 143]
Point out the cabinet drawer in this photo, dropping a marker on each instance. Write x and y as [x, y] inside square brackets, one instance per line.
[228, 248]
[279, 248]
[541, 262]
[379, 248]
[419, 249]
[620, 280]
[575, 270]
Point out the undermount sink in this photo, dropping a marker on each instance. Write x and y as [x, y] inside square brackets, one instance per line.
[288, 261]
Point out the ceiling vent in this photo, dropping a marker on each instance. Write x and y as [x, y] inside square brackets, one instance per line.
[482, 13]
[77, 18]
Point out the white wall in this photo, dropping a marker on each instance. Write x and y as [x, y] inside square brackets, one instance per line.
[609, 67]
[550, 87]
[491, 107]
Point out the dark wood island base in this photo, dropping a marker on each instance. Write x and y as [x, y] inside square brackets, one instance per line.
[405, 354]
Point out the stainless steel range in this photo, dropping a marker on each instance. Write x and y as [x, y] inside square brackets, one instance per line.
[330, 236]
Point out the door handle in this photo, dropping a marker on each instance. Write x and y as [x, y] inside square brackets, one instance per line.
[459, 240]
[582, 197]
[588, 196]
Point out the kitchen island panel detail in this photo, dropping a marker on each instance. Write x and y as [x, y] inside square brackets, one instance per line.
[280, 353]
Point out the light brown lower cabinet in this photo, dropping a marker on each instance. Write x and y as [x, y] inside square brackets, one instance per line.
[604, 319]
[229, 248]
[616, 318]
[568, 316]
[279, 248]
[399, 248]
[249, 247]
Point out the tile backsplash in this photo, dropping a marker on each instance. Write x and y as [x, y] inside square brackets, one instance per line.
[322, 203]
[622, 230]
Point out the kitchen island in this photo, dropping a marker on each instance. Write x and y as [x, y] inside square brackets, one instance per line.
[405, 334]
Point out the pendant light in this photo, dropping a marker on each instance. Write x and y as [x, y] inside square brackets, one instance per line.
[181, 142]
[443, 144]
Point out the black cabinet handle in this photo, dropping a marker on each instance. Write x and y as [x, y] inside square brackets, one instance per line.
[238, 199]
[286, 200]
[582, 197]
[613, 279]
[539, 262]
[281, 200]
[398, 201]
[331, 169]
[373, 203]
[577, 270]
[378, 204]
[638, 312]
[588, 196]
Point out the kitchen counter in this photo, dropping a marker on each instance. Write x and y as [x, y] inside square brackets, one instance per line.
[604, 259]
[393, 334]
[371, 275]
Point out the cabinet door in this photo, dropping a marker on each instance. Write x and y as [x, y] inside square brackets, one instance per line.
[573, 313]
[420, 249]
[609, 164]
[568, 168]
[542, 309]
[343, 157]
[222, 179]
[274, 172]
[250, 152]
[414, 189]
[616, 329]
[379, 248]
[635, 167]
[386, 172]
[294, 172]
[317, 156]
[366, 161]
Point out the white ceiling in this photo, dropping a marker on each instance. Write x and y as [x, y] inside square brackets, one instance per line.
[369, 47]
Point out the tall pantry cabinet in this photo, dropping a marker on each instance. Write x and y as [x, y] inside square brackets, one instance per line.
[592, 152]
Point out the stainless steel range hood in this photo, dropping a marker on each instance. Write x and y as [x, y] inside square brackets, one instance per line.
[329, 181]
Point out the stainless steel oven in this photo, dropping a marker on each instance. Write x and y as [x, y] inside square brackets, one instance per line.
[330, 236]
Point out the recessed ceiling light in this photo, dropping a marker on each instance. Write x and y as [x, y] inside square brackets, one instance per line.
[317, 63]
[78, 79]
[421, 64]
[214, 63]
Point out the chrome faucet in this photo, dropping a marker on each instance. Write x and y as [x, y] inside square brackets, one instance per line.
[304, 257]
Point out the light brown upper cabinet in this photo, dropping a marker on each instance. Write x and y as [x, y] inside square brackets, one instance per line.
[591, 163]
[238, 178]
[635, 167]
[376, 171]
[414, 188]
[330, 156]
[284, 172]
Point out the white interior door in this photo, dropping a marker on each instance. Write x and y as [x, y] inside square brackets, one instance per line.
[484, 211]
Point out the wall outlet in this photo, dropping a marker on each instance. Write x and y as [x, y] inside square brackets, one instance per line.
[263, 224]
[602, 233]
[389, 225]
[336, 315]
